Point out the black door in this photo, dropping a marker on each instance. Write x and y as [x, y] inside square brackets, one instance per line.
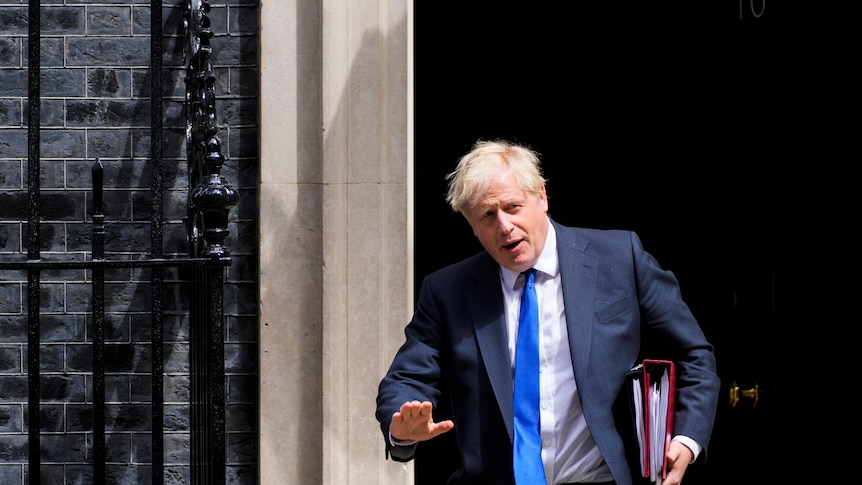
[728, 137]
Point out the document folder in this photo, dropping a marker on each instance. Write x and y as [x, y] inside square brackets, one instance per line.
[653, 386]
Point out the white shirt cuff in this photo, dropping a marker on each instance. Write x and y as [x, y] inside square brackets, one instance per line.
[395, 442]
[693, 445]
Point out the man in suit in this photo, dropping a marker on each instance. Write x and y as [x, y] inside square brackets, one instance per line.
[604, 304]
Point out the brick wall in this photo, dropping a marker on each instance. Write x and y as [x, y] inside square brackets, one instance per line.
[95, 90]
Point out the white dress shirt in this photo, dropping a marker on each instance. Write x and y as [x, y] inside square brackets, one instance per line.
[569, 453]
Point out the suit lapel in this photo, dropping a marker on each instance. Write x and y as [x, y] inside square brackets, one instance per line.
[578, 272]
[485, 300]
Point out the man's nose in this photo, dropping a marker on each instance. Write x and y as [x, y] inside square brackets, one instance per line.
[504, 222]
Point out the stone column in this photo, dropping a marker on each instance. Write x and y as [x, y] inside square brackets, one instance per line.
[335, 234]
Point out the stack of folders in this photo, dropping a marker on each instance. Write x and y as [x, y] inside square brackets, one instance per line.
[653, 385]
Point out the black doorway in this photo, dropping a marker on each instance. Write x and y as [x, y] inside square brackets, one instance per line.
[727, 136]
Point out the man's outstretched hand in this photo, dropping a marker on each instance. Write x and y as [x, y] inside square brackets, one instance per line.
[415, 422]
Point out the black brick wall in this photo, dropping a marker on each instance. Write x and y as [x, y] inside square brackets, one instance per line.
[95, 102]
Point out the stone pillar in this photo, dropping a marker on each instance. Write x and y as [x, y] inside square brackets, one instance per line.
[335, 234]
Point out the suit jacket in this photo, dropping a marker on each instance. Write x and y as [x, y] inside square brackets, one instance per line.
[620, 307]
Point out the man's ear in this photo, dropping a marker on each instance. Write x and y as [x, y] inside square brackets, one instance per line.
[544, 197]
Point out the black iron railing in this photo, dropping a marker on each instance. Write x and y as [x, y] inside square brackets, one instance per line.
[210, 199]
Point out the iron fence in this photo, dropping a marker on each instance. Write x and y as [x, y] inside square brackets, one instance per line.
[210, 199]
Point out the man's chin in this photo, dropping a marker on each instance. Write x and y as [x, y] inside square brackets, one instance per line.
[516, 263]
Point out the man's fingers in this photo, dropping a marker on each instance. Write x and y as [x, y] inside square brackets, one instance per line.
[412, 408]
[415, 423]
[442, 427]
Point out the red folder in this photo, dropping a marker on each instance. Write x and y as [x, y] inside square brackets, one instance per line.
[652, 385]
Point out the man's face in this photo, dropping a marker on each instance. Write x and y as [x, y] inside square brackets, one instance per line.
[511, 224]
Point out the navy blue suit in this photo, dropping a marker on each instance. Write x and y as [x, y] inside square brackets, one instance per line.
[620, 307]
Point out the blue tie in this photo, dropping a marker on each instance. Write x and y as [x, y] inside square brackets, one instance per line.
[527, 459]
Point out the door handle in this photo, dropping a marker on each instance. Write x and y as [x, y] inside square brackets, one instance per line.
[736, 394]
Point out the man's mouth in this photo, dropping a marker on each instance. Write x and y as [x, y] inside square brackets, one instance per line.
[512, 245]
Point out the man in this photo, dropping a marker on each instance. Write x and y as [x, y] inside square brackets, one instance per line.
[604, 304]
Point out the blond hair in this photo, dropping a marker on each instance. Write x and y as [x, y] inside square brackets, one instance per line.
[469, 181]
